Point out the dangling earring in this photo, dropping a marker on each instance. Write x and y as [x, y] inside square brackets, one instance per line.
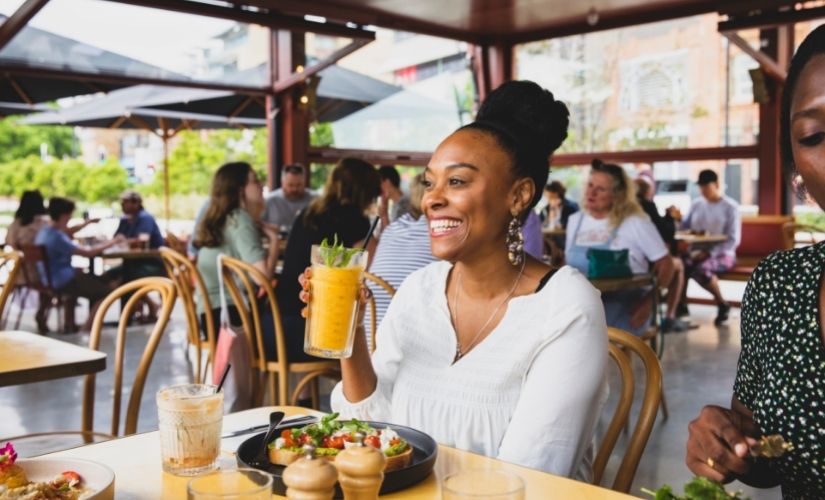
[515, 242]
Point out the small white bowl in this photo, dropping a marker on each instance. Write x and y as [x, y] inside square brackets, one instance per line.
[98, 478]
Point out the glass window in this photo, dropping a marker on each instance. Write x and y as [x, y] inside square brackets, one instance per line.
[411, 92]
[94, 36]
[667, 85]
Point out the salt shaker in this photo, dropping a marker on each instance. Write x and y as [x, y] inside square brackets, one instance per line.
[310, 478]
[360, 470]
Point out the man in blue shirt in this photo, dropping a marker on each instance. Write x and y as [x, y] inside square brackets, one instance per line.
[141, 231]
[57, 270]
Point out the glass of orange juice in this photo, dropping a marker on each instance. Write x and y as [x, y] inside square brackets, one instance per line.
[333, 306]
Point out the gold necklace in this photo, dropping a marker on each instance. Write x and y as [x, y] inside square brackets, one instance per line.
[458, 350]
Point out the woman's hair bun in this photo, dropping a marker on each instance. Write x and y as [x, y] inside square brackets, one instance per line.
[530, 111]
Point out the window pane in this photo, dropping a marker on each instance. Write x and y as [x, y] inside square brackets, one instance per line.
[423, 91]
[655, 86]
[94, 36]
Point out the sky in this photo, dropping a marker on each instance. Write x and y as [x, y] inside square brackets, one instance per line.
[153, 36]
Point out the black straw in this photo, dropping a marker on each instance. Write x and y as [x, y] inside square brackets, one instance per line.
[372, 230]
[223, 377]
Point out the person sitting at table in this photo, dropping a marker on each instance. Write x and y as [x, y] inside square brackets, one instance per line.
[489, 350]
[713, 213]
[284, 204]
[780, 379]
[228, 228]
[559, 209]
[667, 230]
[141, 232]
[612, 219]
[60, 248]
[404, 248]
[351, 188]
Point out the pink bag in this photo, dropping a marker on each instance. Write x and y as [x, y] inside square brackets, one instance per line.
[232, 348]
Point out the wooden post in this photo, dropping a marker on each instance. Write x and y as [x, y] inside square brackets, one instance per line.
[493, 65]
[166, 209]
[777, 43]
[293, 116]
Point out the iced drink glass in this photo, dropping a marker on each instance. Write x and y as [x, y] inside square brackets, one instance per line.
[189, 419]
[333, 306]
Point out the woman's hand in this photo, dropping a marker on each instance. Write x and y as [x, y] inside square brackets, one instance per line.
[306, 296]
[718, 444]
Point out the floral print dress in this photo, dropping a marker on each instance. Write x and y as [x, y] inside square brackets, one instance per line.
[781, 373]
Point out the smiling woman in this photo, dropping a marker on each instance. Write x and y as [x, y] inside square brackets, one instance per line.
[489, 350]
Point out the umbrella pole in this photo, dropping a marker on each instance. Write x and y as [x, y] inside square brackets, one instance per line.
[166, 210]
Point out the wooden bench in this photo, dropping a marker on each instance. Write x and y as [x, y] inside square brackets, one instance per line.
[761, 236]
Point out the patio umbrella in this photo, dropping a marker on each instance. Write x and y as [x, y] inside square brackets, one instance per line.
[123, 108]
[33, 48]
[16, 108]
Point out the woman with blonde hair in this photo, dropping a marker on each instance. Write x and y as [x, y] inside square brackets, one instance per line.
[612, 219]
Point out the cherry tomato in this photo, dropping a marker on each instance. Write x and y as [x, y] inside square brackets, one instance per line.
[334, 442]
[286, 434]
[305, 439]
[373, 441]
[71, 475]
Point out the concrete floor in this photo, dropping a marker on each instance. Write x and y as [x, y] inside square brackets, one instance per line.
[699, 367]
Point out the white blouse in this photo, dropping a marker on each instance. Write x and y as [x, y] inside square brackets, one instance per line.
[530, 393]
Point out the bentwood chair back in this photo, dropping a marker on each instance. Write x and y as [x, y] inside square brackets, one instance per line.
[10, 262]
[136, 290]
[35, 256]
[622, 345]
[243, 281]
[377, 280]
[139, 289]
[188, 281]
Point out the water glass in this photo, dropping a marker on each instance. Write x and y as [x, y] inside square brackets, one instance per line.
[483, 484]
[333, 306]
[190, 417]
[234, 484]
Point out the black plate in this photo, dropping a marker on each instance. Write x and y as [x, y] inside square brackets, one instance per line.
[423, 460]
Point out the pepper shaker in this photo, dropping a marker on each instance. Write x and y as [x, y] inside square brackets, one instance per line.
[310, 478]
[360, 470]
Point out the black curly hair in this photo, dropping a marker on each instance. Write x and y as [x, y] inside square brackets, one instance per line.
[813, 45]
[529, 124]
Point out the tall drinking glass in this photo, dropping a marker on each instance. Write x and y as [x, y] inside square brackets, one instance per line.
[333, 305]
[483, 484]
[189, 419]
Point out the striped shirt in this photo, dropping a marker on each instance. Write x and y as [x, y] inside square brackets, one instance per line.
[404, 247]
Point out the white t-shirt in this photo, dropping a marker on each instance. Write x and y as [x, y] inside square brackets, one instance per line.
[636, 234]
[529, 393]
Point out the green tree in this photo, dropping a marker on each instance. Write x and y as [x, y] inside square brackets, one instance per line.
[19, 141]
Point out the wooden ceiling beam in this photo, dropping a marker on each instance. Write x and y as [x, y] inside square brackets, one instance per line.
[771, 19]
[259, 17]
[766, 62]
[658, 155]
[19, 19]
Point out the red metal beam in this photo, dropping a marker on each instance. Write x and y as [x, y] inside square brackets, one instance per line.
[267, 19]
[332, 155]
[295, 77]
[652, 156]
[16, 69]
[19, 19]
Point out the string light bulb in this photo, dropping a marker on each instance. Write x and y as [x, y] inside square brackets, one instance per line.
[304, 99]
[592, 16]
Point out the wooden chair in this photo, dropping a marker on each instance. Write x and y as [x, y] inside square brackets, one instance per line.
[10, 261]
[236, 272]
[188, 281]
[622, 344]
[139, 289]
[368, 276]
